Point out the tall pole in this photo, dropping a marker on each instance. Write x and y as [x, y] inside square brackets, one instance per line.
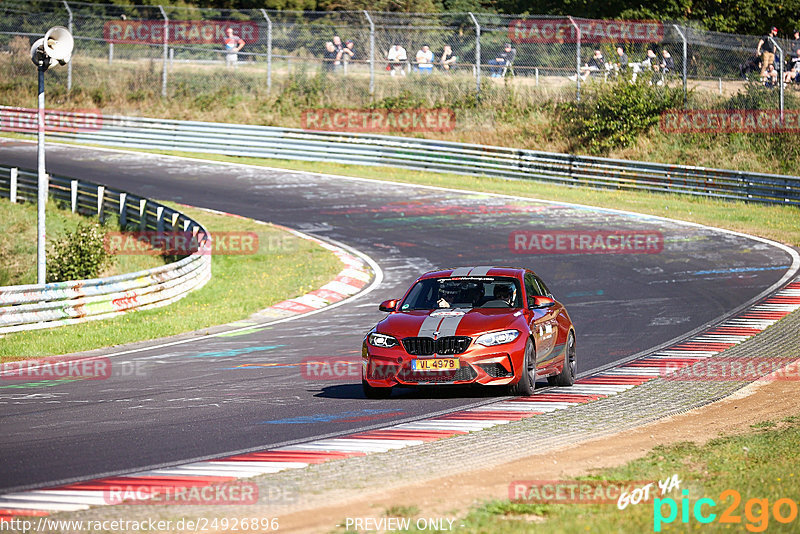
[780, 74]
[69, 65]
[269, 49]
[166, 53]
[683, 37]
[371, 53]
[477, 53]
[42, 185]
[577, 59]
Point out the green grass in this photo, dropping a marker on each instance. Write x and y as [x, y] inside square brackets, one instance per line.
[18, 242]
[761, 464]
[283, 267]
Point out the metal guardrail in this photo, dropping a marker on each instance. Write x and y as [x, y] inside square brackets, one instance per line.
[423, 155]
[33, 307]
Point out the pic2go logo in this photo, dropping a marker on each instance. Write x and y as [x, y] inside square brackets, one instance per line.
[756, 511]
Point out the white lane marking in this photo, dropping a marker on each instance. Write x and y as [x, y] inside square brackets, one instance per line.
[48, 507]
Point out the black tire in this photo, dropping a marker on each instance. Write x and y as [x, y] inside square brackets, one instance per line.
[375, 393]
[527, 382]
[566, 377]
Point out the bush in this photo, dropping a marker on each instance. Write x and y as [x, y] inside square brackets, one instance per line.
[78, 255]
[614, 115]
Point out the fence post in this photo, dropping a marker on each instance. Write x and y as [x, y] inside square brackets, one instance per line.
[477, 53]
[69, 64]
[577, 59]
[683, 38]
[166, 46]
[110, 53]
[101, 192]
[780, 74]
[371, 53]
[73, 194]
[12, 193]
[269, 50]
[123, 213]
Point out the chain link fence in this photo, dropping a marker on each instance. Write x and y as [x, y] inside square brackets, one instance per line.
[421, 59]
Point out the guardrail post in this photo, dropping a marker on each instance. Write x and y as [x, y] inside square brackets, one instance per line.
[101, 191]
[73, 195]
[12, 192]
[269, 50]
[477, 53]
[683, 38]
[142, 218]
[69, 64]
[371, 53]
[160, 219]
[577, 59]
[174, 221]
[186, 223]
[166, 47]
[123, 212]
[780, 74]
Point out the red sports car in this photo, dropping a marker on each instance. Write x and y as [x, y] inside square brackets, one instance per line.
[471, 325]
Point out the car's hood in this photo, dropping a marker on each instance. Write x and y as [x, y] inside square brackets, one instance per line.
[448, 322]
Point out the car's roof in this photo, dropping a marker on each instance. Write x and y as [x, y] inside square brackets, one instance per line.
[479, 270]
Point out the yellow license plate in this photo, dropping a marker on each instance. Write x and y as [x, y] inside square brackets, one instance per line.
[435, 364]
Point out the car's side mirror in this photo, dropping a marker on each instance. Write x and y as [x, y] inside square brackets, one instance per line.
[388, 305]
[541, 302]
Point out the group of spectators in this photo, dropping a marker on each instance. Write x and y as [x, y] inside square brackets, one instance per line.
[337, 54]
[620, 65]
[424, 60]
[767, 61]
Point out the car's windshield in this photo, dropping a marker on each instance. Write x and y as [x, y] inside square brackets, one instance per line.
[463, 292]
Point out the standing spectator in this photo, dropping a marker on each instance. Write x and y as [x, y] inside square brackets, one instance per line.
[621, 66]
[425, 59]
[795, 44]
[337, 43]
[397, 58]
[348, 53]
[448, 59]
[503, 60]
[766, 50]
[329, 57]
[233, 44]
[666, 65]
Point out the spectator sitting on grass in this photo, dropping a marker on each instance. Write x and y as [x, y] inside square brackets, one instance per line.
[596, 64]
[793, 72]
[448, 59]
[503, 59]
[425, 59]
[770, 76]
[397, 58]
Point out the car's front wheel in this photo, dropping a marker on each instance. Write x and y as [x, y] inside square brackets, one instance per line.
[375, 392]
[527, 382]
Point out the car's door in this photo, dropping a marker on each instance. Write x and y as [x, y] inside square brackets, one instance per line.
[543, 323]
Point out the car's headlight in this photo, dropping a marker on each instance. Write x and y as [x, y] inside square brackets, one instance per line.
[497, 338]
[382, 340]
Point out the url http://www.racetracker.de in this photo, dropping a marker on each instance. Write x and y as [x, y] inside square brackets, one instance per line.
[200, 524]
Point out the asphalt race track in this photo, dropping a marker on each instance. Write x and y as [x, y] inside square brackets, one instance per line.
[214, 395]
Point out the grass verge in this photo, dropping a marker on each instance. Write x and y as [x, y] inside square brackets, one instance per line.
[284, 266]
[18, 242]
[760, 467]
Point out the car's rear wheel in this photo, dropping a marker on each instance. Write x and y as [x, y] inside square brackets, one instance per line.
[375, 392]
[527, 382]
[567, 375]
